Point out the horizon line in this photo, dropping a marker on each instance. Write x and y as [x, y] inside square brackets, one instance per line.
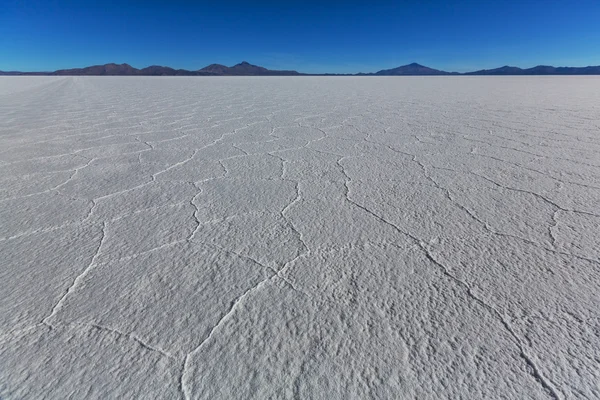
[205, 71]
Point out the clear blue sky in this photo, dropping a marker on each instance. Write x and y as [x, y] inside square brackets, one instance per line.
[310, 36]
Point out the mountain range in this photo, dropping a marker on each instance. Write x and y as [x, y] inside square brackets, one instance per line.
[246, 69]
[242, 69]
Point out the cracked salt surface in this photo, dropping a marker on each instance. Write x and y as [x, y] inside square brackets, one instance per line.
[300, 237]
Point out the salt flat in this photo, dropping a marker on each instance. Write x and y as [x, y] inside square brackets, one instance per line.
[310, 237]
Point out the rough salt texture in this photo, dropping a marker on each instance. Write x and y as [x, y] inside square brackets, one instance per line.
[323, 238]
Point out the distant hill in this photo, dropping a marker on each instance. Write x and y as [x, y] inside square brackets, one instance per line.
[506, 70]
[539, 70]
[17, 73]
[106, 69]
[157, 70]
[246, 69]
[412, 69]
[243, 69]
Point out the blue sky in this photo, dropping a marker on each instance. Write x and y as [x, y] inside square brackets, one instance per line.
[310, 36]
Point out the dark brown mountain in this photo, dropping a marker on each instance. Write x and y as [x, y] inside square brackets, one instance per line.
[243, 69]
[157, 70]
[215, 69]
[412, 69]
[106, 69]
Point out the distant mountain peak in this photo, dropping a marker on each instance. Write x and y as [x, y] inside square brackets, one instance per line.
[242, 69]
[504, 70]
[412, 69]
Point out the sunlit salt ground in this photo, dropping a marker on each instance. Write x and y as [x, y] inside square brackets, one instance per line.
[311, 238]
